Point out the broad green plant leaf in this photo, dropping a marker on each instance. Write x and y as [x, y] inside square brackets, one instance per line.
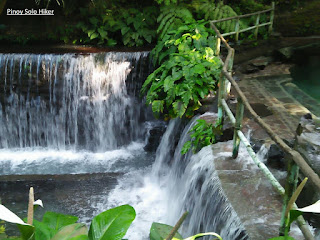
[112, 224]
[42, 231]
[73, 231]
[282, 238]
[27, 232]
[160, 231]
[56, 221]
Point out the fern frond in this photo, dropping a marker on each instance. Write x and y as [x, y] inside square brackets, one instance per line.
[169, 19]
[164, 21]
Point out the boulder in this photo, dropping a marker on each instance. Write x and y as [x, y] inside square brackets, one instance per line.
[261, 62]
[285, 53]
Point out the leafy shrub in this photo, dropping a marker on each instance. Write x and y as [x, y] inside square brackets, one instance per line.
[112, 26]
[172, 17]
[202, 134]
[216, 11]
[187, 74]
[108, 225]
[167, 2]
[137, 27]
[95, 30]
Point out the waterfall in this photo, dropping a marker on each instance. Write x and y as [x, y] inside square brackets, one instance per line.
[178, 183]
[71, 114]
[71, 101]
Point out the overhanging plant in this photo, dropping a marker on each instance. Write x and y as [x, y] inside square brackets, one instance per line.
[188, 72]
[202, 134]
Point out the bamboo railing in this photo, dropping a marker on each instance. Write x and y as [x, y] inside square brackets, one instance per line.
[225, 80]
[237, 29]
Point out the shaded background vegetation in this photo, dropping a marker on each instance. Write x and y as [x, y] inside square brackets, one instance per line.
[134, 23]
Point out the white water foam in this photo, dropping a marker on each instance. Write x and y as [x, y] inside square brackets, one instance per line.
[48, 161]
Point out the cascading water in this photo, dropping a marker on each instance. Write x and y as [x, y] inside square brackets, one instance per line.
[68, 101]
[67, 114]
[177, 184]
[71, 109]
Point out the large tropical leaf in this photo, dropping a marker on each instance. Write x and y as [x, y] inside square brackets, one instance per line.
[55, 221]
[112, 224]
[73, 231]
[161, 231]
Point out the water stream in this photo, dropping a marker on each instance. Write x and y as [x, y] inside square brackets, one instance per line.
[80, 114]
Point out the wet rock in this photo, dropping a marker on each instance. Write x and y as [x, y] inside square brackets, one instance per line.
[255, 65]
[249, 69]
[285, 53]
[155, 134]
[209, 104]
[261, 62]
[275, 157]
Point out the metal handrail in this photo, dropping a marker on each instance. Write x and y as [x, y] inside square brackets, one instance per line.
[239, 136]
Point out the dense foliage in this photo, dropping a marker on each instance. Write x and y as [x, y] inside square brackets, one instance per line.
[112, 224]
[187, 73]
[109, 23]
[202, 134]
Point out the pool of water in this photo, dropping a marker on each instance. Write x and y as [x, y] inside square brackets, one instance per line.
[306, 75]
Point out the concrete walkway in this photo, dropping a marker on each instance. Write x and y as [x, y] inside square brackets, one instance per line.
[277, 100]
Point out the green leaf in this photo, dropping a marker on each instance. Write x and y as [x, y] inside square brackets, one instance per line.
[148, 38]
[71, 232]
[179, 108]
[112, 224]
[56, 221]
[27, 232]
[42, 231]
[124, 30]
[111, 42]
[81, 237]
[186, 147]
[157, 106]
[94, 35]
[294, 214]
[186, 97]
[102, 33]
[168, 83]
[199, 69]
[160, 231]
[282, 238]
[94, 21]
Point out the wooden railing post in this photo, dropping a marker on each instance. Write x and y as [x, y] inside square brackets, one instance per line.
[238, 125]
[229, 69]
[221, 94]
[257, 27]
[290, 187]
[237, 29]
[218, 44]
[271, 17]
